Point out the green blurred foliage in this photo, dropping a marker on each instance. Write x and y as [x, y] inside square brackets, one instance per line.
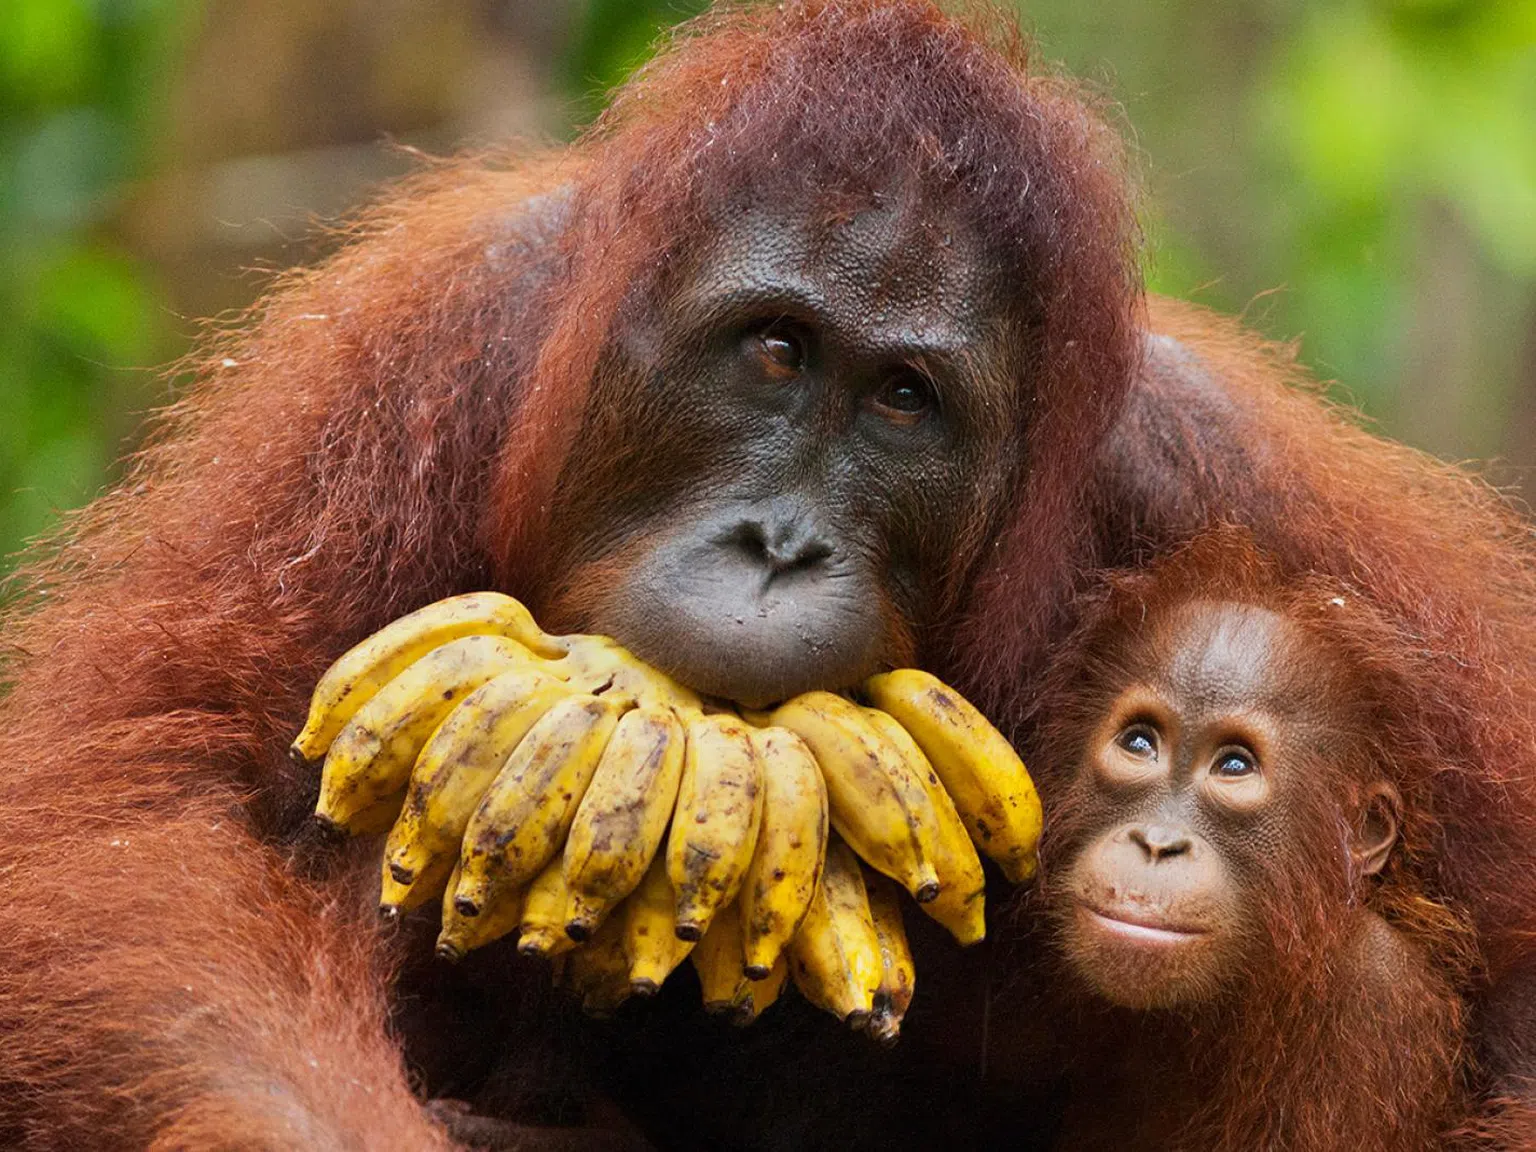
[613, 38]
[1381, 113]
[79, 82]
[1418, 97]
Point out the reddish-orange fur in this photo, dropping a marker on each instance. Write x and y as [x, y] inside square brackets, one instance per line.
[1337, 1033]
[1448, 562]
[390, 427]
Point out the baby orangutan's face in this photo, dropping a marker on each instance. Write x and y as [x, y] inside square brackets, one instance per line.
[1187, 794]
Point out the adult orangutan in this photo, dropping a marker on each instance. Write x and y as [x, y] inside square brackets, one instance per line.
[822, 351]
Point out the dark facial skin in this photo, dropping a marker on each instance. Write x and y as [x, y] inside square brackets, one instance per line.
[822, 424]
[1193, 778]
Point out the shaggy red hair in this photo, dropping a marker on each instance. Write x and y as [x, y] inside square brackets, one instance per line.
[1328, 1039]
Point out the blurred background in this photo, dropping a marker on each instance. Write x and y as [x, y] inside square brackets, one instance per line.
[1358, 175]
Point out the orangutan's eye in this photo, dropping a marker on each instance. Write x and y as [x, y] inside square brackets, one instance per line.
[1234, 764]
[781, 350]
[1140, 740]
[905, 398]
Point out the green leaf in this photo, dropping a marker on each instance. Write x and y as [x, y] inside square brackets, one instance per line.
[46, 50]
[97, 303]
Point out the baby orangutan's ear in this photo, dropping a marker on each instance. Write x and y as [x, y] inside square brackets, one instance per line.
[1376, 833]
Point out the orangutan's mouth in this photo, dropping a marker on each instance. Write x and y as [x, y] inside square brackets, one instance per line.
[1140, 925]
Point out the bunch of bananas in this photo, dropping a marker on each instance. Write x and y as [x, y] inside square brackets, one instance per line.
[558, 787]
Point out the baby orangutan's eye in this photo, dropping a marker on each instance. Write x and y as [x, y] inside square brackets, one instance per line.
[1234, 764]
[1139, 740]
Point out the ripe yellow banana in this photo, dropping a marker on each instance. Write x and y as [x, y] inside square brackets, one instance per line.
[598, 971]
[523, 817]
[595, 662]
[961, 903]
[898, 978]
[790, 846]
[544, 908]
[431, 880]
[363, 671]
[461, 935]
[623, 815]
[835, 957]
[979, 768]
[878, 804]
[371, 759]
[720, 963]
[714, 827]
[373, 820]
[650, 931]
[452, 774]
[764, 993]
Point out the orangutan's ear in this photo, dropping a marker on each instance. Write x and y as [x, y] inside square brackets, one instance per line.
[1376, 833]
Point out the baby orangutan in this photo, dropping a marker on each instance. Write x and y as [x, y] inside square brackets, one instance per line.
[1240, 884]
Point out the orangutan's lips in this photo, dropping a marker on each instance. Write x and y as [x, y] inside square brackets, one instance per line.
[1142, 927]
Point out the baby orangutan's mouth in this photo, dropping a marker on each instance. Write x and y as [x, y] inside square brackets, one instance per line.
[1139, 925]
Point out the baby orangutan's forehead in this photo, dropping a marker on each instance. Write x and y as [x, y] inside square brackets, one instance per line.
[1223, 655]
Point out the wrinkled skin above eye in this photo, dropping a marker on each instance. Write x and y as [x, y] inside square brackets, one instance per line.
[792, 454]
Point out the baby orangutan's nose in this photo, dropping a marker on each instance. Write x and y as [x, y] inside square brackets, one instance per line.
[1159, 841]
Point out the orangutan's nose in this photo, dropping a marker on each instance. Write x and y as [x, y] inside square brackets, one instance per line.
[1158, 841]
[780, 543]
